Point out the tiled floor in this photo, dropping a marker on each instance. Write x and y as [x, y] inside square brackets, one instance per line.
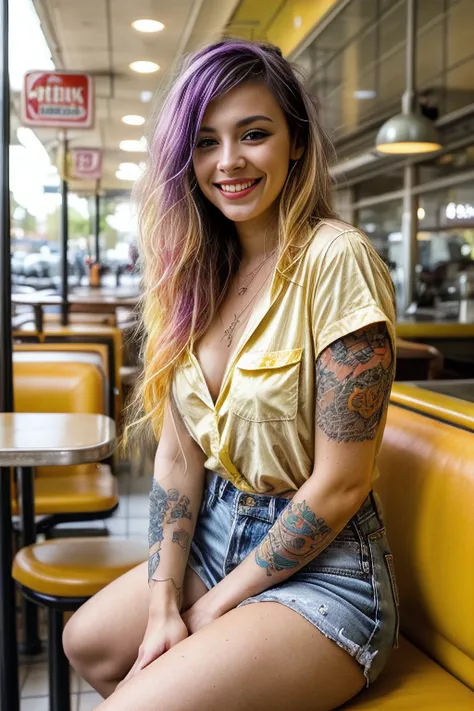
[130, 521]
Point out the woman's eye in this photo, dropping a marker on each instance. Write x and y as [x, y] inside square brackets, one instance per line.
[256, 134]
[205, 142]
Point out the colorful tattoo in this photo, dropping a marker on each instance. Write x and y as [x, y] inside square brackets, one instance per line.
[353, 380]
[166, 507]
[297, 536]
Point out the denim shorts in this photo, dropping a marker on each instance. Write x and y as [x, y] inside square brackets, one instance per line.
[348, 591]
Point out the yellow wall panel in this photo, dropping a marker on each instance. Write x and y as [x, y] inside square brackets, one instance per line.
[295, 21]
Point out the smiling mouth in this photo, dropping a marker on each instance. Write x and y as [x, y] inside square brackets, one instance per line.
[237, 187]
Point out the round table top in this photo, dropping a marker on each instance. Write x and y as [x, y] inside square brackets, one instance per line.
[54, 439]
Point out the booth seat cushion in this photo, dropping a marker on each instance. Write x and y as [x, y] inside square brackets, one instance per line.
[72, 470]
[412, 681]
[77, 567]
[82, 493]
[427, 491]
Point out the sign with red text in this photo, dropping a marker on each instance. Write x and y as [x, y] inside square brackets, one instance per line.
[85, 163]
[57, 99]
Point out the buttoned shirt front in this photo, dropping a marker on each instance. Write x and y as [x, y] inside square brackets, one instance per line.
[260, 433]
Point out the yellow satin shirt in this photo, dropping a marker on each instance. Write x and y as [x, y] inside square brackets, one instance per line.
[260, 434]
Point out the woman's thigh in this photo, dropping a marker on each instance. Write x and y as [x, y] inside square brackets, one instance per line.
[110, 626]
[262, 656]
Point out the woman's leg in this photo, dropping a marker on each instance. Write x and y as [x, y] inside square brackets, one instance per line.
[101, 640]
[261, 656]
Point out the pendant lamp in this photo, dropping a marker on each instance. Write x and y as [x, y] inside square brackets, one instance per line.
[409, 131]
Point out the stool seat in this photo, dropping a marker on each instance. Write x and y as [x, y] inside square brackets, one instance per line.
[95, 490]
[77, 567]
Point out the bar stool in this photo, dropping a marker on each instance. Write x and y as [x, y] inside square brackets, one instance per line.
[61, 575]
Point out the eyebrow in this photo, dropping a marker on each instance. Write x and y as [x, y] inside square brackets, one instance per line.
[242, 122]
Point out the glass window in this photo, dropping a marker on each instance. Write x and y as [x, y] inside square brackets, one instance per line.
[446, 226]
[429, 63]
[460, 32]
[446, 164]
[383, 224]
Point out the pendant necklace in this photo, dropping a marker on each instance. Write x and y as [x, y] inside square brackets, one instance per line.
[229, 332]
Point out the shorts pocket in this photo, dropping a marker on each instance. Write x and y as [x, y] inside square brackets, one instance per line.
[383, 572]
[343, 556]
[265, 386]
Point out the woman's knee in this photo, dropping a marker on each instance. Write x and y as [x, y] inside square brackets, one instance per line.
[78, 641]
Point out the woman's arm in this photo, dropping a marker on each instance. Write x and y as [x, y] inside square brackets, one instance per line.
[354, 377]
[175, 500]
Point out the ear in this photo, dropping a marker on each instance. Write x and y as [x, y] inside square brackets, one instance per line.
[296, 149]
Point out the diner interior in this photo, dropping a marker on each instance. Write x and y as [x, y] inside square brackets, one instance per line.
[73, 505]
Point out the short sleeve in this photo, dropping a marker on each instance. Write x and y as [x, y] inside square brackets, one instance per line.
[352, 289]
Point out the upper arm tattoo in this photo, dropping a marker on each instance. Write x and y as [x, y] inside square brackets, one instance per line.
[166, 507]
[353, 380]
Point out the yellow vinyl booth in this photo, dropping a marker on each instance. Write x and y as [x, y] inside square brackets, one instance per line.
[427, 491]
[75, 493]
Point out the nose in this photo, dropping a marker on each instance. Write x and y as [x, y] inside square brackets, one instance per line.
[230, 157]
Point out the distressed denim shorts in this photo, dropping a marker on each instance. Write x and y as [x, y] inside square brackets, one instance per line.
[348, 591]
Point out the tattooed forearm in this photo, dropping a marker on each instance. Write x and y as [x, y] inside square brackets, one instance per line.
[166, 507]
[297, 536]
[353, 380]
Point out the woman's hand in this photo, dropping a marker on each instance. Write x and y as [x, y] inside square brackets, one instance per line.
[199, 615]
[161, 634]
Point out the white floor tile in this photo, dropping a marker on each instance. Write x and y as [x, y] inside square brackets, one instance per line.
[89, 701]
[36, 683]
[138, 505]
[116, 526]
[138, 527]
[35, 704]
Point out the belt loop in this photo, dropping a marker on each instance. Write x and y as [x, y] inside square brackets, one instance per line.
[222, 486]
[271, 510]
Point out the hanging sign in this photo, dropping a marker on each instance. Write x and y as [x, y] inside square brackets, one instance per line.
[57, 99]
[85, 163]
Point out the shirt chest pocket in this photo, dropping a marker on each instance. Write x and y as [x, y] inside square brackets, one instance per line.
[265, 386]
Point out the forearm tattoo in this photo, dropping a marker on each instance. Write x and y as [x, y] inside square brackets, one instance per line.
[353, 380]
[296, 537]
[166, 507]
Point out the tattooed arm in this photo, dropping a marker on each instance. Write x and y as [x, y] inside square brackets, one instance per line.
[353, 380]
[174, 505]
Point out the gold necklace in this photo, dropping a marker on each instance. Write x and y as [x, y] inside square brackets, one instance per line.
[229, 332]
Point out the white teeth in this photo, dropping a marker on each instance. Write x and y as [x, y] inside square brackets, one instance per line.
[237, 187]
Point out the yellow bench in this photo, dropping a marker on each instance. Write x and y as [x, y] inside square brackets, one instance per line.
[427, 491]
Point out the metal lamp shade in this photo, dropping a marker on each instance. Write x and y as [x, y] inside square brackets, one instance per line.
[407, 133]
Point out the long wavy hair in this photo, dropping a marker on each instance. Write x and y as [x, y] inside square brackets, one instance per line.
[189, 250]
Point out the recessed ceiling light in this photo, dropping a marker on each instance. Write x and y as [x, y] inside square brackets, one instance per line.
[148, 25]
[146, 96]
[134, 146]
[144, 67]
[133, 120]
[129, 171]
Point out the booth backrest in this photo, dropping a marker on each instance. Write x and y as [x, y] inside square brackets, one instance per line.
[58, 387]
[427, 491]
[53, 356]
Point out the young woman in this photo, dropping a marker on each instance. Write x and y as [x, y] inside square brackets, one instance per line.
[268, 366]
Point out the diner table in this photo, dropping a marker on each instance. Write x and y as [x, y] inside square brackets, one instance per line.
[29, 440]
[97, 303]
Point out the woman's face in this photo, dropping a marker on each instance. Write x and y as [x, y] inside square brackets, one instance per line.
[242, 154]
